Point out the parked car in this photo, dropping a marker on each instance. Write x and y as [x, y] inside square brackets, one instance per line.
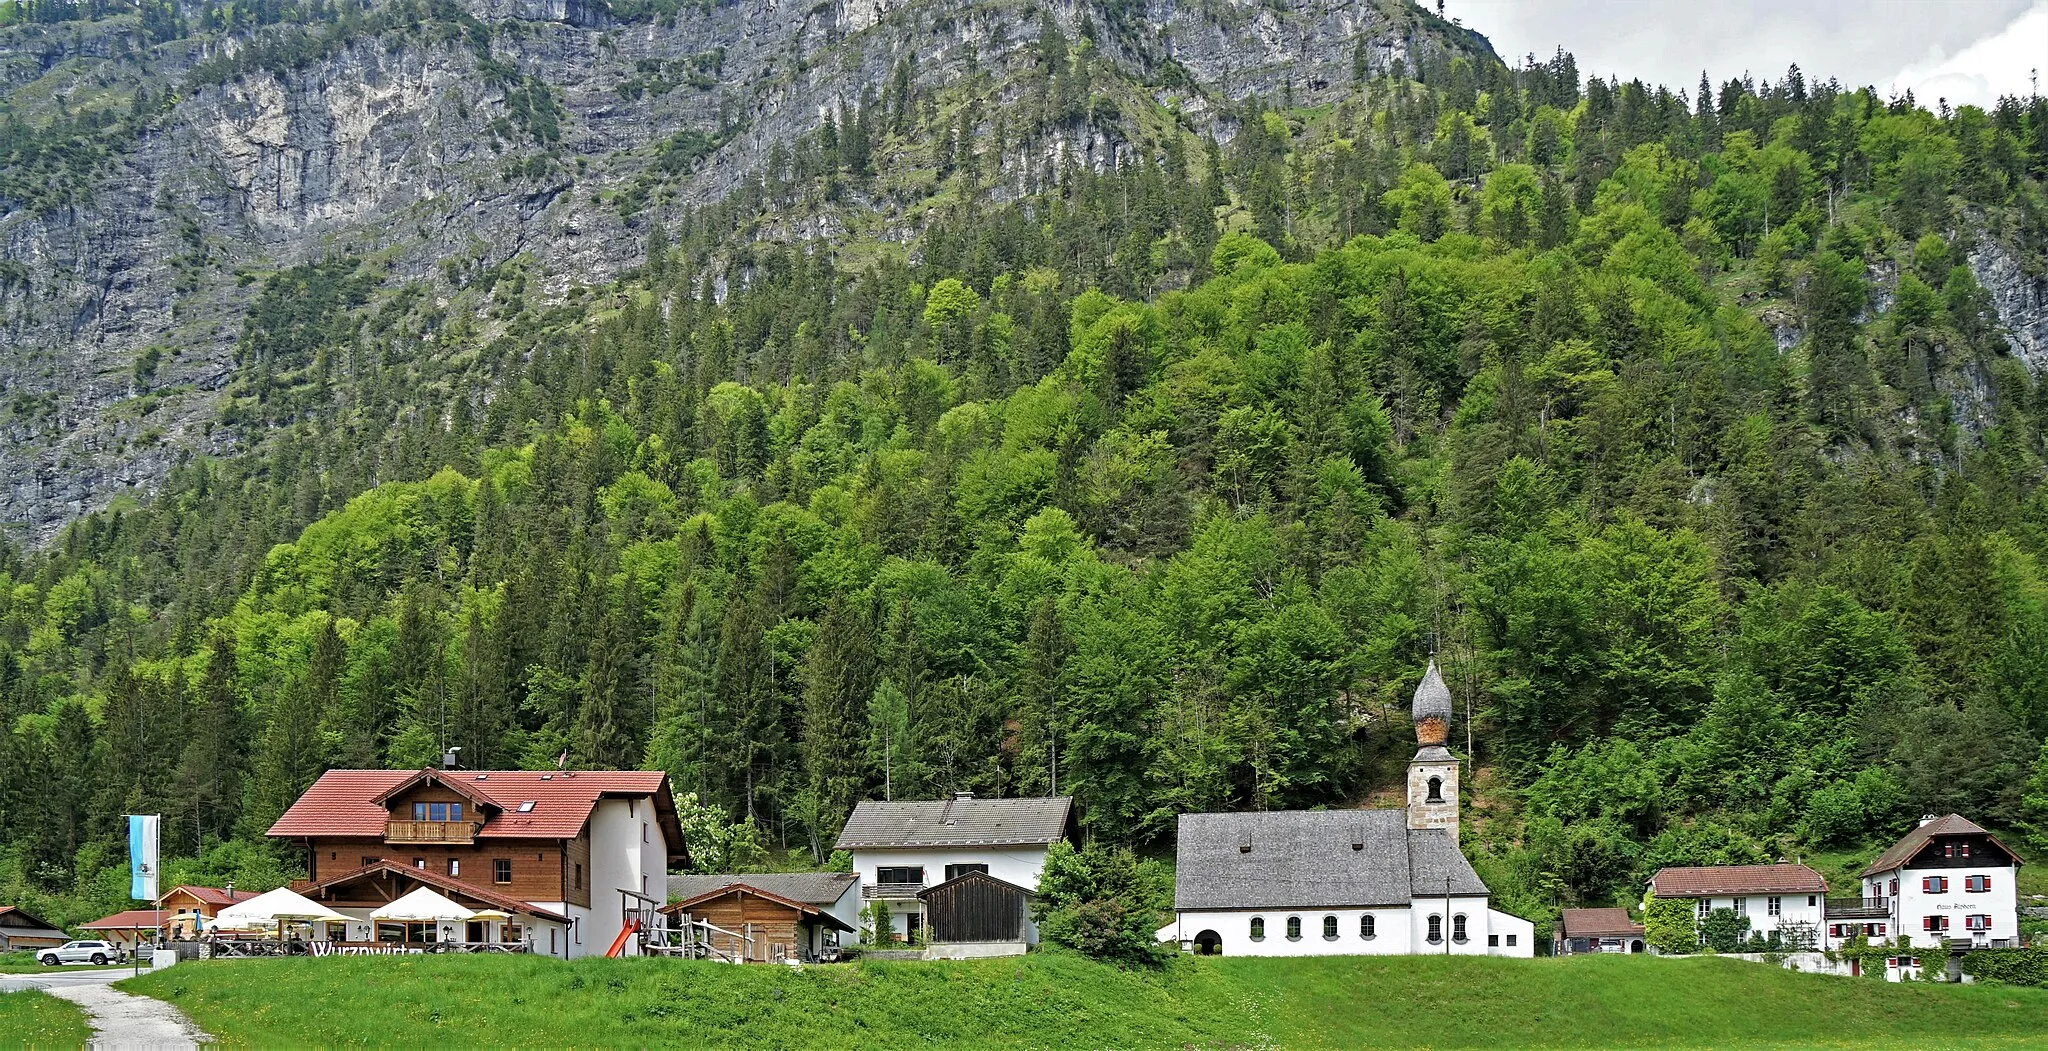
[80, 952]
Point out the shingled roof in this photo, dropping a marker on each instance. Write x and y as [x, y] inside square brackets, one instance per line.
[962, 821]
[322, 889]
[1598, 923]
[1315, 859]
[346, 802]
[1716, 880]
[811, 888]
[1952, 825]
[209, 895]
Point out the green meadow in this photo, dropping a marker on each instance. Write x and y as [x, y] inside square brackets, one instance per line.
[1051, 1000]
[34, 1019]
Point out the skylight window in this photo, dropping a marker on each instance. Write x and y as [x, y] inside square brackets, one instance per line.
[526, 806]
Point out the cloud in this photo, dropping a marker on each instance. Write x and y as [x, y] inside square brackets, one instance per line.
[2001, 63]
[1669, 42]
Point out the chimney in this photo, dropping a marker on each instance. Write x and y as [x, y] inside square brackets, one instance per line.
[448, 760]
[963, 795]
[1928, 818]
[1245, 847]
[1358, 837]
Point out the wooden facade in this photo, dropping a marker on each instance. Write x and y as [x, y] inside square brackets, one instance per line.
[539, 868]
[770, 928]
[976, 907]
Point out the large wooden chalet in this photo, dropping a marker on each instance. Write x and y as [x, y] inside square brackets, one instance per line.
[567, 856]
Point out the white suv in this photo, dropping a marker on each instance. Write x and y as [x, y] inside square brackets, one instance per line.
[80, 952]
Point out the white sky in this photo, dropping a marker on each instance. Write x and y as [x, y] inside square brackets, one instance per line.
[1969, 51]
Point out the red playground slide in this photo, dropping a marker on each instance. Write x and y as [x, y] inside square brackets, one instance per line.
[619, 943]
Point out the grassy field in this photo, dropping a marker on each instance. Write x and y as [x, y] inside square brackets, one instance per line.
[1052, 1000]
[33, 1019]
[25, 963]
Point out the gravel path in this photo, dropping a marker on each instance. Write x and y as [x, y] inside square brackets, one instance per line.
[118, 1019]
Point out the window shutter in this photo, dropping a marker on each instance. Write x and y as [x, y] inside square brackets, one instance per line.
[1927, 884]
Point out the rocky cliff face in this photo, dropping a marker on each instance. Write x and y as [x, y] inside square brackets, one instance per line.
[120, 313]
[2021, 299]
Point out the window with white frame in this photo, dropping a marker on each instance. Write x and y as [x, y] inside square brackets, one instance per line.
[1772, 905]
[1703, 908]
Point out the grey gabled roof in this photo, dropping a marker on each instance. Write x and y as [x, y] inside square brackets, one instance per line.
[958, 822]
[1306, 859]
[811, 888]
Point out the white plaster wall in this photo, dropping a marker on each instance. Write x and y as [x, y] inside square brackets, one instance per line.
[1506, 926]
[1793, 908]
[615, 850]
[1475, 911]
[2001, 903]
[1393, 934]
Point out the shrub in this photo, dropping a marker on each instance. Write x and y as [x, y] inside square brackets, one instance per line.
[1102, 902]
[2010, 966]
[1725, 929]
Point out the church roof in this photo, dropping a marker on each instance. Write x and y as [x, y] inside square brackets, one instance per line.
[1432, 698]
[1315, 859]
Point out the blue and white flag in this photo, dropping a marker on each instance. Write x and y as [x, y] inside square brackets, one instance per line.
[142, 856]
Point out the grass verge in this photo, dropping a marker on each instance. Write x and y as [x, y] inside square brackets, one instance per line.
[1058, 1001]
[37, 1019]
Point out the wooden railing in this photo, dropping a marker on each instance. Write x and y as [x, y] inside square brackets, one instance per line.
[430, 832]
[1858, 908]
[891, 891]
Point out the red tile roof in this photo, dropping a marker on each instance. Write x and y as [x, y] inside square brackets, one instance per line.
[1596, 923]
[1908, 845]
[1712, 880]
[131, 920]
[344, 802]
[445, 884]
[209, 895]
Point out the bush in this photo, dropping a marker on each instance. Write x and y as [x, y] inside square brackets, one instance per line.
[1668, 926]
[2009, 966]
[1725, 930]
[1104, 903]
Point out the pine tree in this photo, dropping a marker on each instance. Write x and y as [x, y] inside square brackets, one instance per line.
[839, 681]
[211, 771]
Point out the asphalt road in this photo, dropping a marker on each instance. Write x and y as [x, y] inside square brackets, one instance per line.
[118, 1019]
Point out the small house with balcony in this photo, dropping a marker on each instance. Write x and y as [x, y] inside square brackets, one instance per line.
[187, 908]
[1947, 883]
[558, 862]
[1785, 899]
[901, 848]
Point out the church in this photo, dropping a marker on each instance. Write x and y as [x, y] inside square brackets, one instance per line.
[1344, 882]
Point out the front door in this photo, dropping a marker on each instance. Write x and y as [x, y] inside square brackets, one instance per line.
[477, 931]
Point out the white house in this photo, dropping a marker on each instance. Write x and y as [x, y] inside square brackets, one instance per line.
[1344, 882]
[1948, 879]
[901, 848]
[1787, 899]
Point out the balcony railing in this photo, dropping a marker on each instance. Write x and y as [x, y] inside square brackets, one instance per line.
[890, 891]
[1858, 908]
[430, 832]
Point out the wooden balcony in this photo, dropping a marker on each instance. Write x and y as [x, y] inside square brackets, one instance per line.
[430, 832]
[1858, 908]
[890, 891]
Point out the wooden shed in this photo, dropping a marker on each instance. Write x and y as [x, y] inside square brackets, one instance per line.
[757, 926]
[977, 907]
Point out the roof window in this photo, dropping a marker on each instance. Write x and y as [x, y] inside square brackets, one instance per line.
[526, 806]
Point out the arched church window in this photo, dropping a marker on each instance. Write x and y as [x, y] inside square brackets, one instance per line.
[1258, 928]
[1294, 928]
[1436, 790]
[1365, 926]
[1330, 928]
[1436, 929]
[1458, 927]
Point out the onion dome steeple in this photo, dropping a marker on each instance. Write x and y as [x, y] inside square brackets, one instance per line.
[1432, 710]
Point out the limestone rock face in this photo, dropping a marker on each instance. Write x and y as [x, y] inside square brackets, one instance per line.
[2021, 299]
[117, 346]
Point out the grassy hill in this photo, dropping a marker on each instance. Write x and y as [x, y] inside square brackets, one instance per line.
[1053, 1000]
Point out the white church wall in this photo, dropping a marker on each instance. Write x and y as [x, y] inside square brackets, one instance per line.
[1391, 932]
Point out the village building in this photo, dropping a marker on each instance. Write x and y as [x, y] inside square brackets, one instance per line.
[1787, 899]
[1345, 882]
[1581, 931]
[769, 917]
[129, 929]
[1947, 881]
[566, 863]
[187, 908]
[902, 848]
[22, 930]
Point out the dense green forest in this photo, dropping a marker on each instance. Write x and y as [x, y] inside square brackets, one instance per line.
[1675, 423]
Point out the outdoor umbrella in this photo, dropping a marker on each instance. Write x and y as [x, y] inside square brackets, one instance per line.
[424, 905]
[278, 906]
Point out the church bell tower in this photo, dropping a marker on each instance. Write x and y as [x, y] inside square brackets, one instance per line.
[1433, 773]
